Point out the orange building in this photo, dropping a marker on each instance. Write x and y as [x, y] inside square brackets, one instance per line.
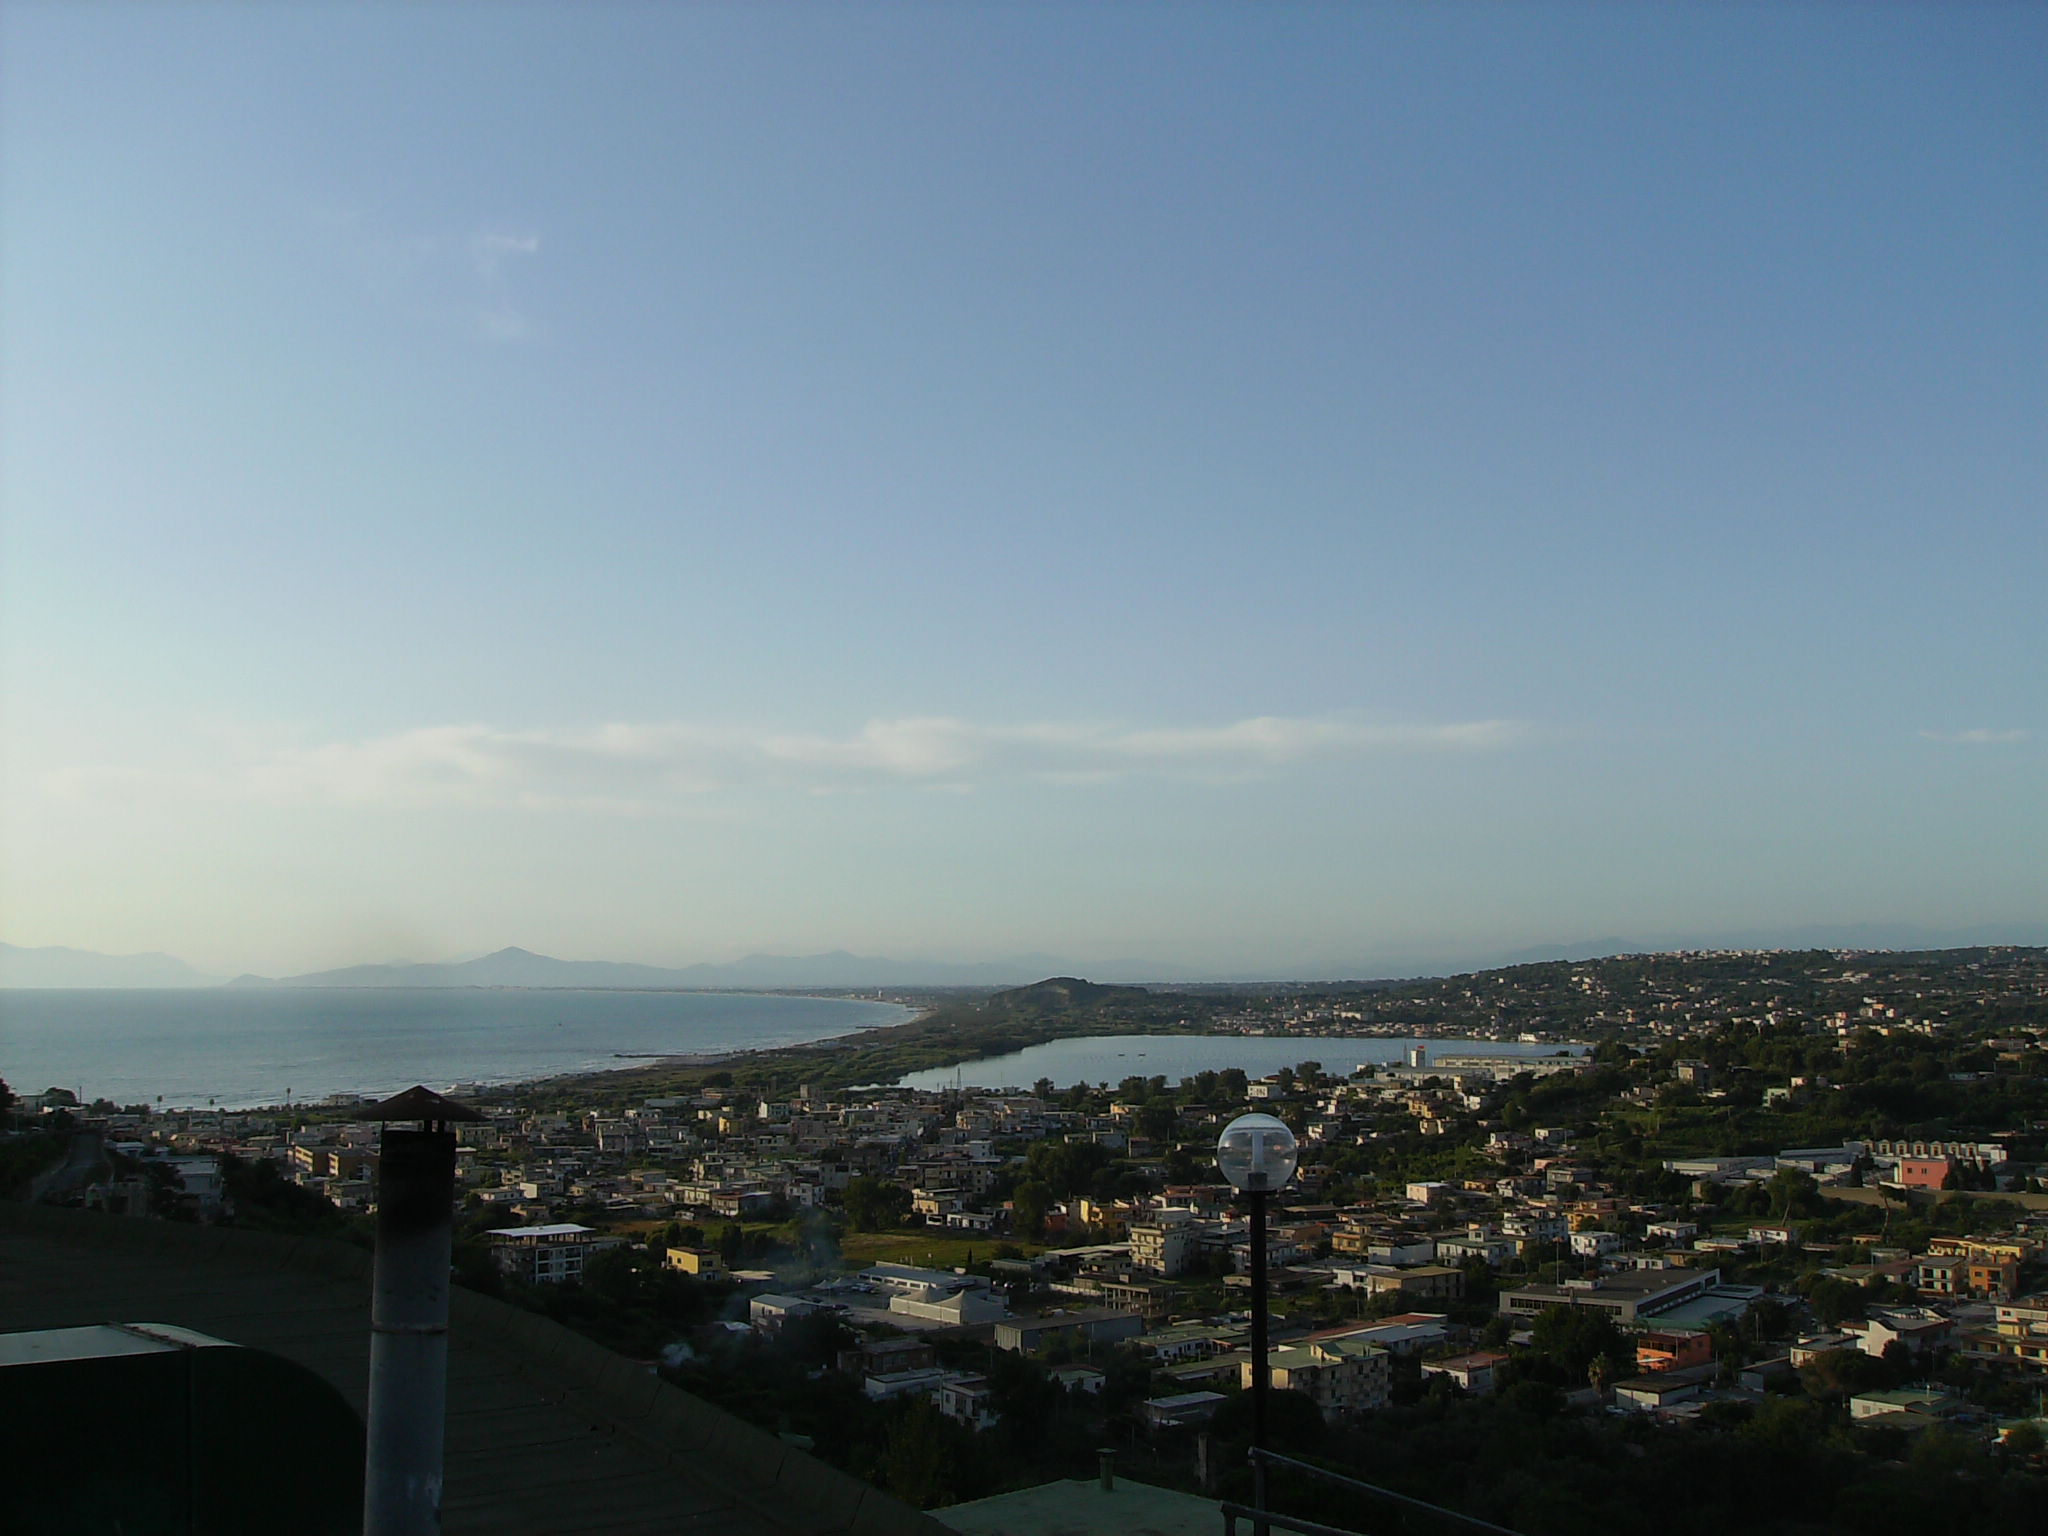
[1993, 1278]
[1673, 1350]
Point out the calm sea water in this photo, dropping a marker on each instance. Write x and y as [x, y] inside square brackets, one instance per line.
[239, 1048]
[1112, 1058]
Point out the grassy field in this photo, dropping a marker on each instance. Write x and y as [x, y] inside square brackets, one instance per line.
[934, 1249]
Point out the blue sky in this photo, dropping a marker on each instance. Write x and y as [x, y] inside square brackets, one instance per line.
[1258, 488]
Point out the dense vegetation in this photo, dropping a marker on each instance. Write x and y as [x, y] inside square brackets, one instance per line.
[1792, 1466]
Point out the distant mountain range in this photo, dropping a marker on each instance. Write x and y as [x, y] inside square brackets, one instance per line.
[59, 967]
[517, 967]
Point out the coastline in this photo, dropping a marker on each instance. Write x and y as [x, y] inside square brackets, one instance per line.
[653, 1073]
[637, 1065]
[935, 1030]
[322, 1050]
[940, 1038]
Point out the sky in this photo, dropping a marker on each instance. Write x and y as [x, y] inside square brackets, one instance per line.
[1265, 489]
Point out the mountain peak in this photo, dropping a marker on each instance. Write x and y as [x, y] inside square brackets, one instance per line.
[59, 966]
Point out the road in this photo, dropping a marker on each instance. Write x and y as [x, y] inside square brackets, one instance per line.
[84, 1160]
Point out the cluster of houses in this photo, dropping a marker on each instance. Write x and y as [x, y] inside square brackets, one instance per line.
[1345, 1370]
[553, 1183]
[1650, 1268]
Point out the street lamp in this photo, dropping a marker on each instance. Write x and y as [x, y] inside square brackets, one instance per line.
[1257, 1154]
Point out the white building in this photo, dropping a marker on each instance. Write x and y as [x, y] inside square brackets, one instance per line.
[967, 1400]
[1343, 1376]
[1165, 1244]
[907, 1280]
[958, 1310]
[547, 1255]
[769, 1311]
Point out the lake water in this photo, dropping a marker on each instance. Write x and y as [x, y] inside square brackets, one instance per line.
[239, 1048]
[1112, 1058]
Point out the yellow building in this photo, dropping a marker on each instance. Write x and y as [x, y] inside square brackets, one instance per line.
[704, 1263]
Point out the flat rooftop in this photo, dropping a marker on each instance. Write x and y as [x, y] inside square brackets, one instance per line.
[1081, 1508]
[1623, 1282]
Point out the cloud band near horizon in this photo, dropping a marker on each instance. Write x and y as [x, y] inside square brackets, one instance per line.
[627, 768]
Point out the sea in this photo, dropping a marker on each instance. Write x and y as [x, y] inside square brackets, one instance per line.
[238, 1048]
[1109, 1059]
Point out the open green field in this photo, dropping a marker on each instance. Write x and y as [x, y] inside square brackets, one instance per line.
[936, 1250]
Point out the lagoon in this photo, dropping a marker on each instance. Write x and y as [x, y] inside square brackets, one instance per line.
[1112, 1058]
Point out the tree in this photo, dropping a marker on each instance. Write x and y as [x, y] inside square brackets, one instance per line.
[1794, 1192]
[1158, 1119]
[1765, 1319]
[813, 1341]
[1834, 1301]
[1066, 1167]
[874, 1205]
[1786, 1427]
[1728, 1351]
[261, 1196]
[614, 1276]
[732, 1244]
[1293, 1420]
[1843, 1373]
[922, 1454]
[1033, 1198]
[1572, 1338]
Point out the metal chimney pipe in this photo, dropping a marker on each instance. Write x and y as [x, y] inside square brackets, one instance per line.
[1106, 1460]
[409, 1314]
[409, 1334]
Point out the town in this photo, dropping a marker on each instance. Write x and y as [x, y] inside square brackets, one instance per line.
[1778, 1212]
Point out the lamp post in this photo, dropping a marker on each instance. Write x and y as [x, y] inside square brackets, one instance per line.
[1257, 1154]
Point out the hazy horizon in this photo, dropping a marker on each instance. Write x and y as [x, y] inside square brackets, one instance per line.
[786, 970]
[1252, 490]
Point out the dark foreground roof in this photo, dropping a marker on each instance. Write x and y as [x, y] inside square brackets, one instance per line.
[547, 1432]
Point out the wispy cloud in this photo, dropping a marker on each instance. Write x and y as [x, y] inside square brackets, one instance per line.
[464, 280]
[645, 768]
[489, 248]
[497, 317]
[1977, 738]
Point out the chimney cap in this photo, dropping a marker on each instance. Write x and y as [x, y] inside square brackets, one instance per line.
[417, 1103]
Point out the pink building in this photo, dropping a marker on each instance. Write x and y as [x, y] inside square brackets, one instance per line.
[1925, 1172]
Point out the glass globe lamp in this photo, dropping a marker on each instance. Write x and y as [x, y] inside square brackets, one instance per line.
[1257, 1153]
